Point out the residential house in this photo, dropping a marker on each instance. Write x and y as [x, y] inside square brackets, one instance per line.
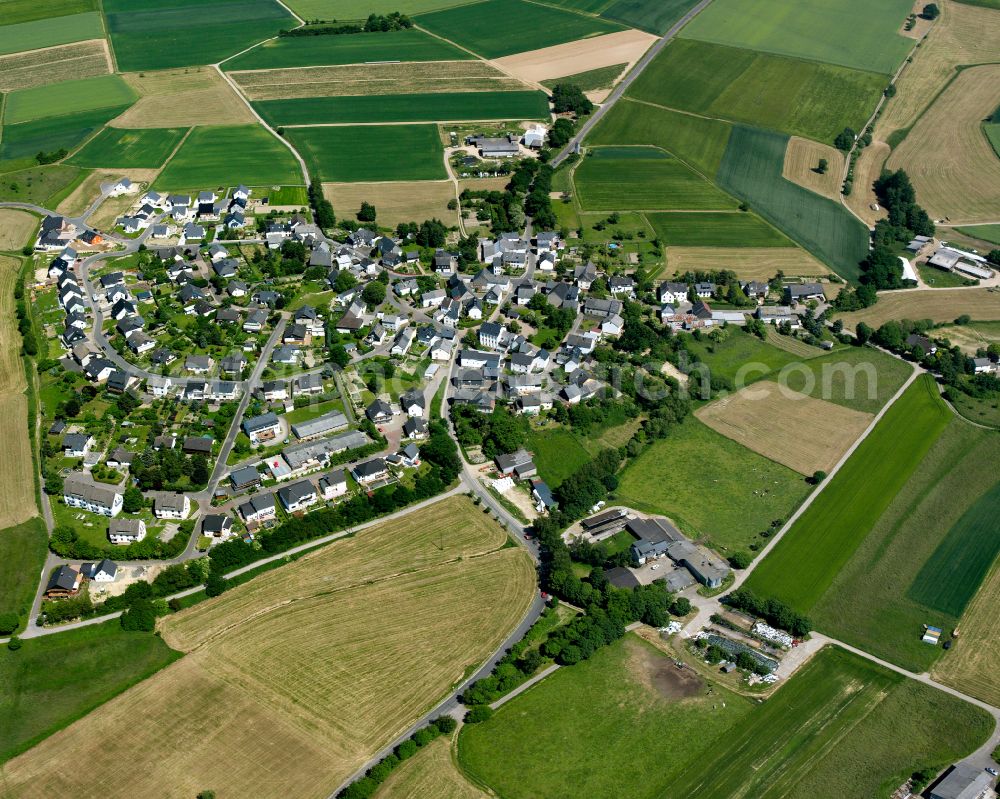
[258, 508]
[126, 531]
[333, 485]
[217, 525]
[370, 471]
[262, 428]
[171, 505]
[64, 582]
[100, 499]
[244, 478]
[298, 496]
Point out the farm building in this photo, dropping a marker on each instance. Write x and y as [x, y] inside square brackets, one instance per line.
[963, 782]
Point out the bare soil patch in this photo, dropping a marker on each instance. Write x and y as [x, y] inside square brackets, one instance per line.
[82, 196]
[661, 675]
[866, 171]
[15, 228]
[177, 98]
[940, 305]
[572, 58]
[53, 64]
[395, 202]
[802, 157]
[750, 263]
[793, 429]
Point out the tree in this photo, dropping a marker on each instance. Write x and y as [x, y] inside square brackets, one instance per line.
[864, 332]
[140, 616]
[215, 584]
[374, 293]
[14, 643]
[478, 713]
[740, 559]
[445, 724]
[206, 795]
[844, 140]
[569, 98]
[8, 623]
[561, 132]
[344, 281]
[132, 500]
[993, 256]
[823, 166]
[339, 355]
[931, 11]
[818, 477]
[367, 212]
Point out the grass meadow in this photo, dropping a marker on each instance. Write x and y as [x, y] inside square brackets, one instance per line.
[227, 156]
[66, 98]
[432, 773]
[160, 34]
[54, 680]
[433, 107]
[752, 170]
[39, 184]
[557, 454]
[643, 178]
[373, 152]
[360, 9]
[18, 11]
[841, 726]
[52, 133]
[716, 229]
[37, 33]
[308, 51]
[143, 148]
[496, 28]
[810, 29]
[990, 233]
[815, 100]
[801, 568]
[860, 378]
[22, 555]
[655, 16]
[591, 80]
[740, 357]
[925, 556]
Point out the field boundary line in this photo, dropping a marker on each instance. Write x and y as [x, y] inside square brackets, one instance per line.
[107, 37]
[174, 152]
[525, 686]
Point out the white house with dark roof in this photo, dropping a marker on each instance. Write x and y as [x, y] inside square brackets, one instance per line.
[126, 531]
[298, 496]
[102, 500]
[171, 505]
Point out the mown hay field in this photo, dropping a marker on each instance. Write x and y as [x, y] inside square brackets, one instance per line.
[375, 152]
[867, 169]
[431, 773]
[856, 377]
[422, 77]
[971, 337]
[142, 148]
[749, 263]
[815, 100]
[298, 676]
[593, 80]
[814, 30]
[620, 48]
[181, 98]
[38, 33]
[453, 107]
[939, 305]
[643, 178]
[746, 236]
[404, 201]
[497, 28]
[802, 433]
[795, 346]
[751, 169]
[16, 227]
[802, 158]
[952, 165]
[800, 569]
[54, 64]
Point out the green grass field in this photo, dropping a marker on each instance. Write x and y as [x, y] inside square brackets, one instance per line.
[68, 97]
[228, 156]
[714, 488]
[591, 80]
[564, 738]
[584, 6]
[160, 34]
[699, 142]
[360, 9]
[925, 555]
[454, 107]
[733, 357]
[37, 184]
[38, 33]
[497, 28]
[860, 378]
[22, 555]
[373, 152]
[289, 195]
[620, 179]
[52, 681]
[842, 726]
[812, 29]
[52, 133]
[557, 454]
[992, 133]
[751, 169]
[655, 16]
[990, 233]
[718, 229]
[815, 100]
[17, 11]
[145, 148]
[307, 51]
[800, 569]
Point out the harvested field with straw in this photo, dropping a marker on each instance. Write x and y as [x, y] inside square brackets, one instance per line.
[299, 676]
[940, 305]
[802, 158]
[180, 98]
[431, 773]
[395, 202]
[54, 64]
[749, 263]
[866, 171]
[572, 58]
[797, 431]
[15, 228]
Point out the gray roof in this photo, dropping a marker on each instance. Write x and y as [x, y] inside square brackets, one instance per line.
[298, 455]
[245, 476]
[295, 492]
[259, 422]
[327, 423]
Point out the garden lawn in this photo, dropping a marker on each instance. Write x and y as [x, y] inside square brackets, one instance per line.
[859, 377]
[52, 133]
[717, 490]
[814, 100]
[564, 737]
[841, 726]
[801, 568]
[360, 48]
[143, 148]
[497, 28]
[715, 229]
[54, 680]
[372, 152]
[68, 97]
[228, 156]
[22, 555]
[852, 33]
[752, 170]
[557, 454]
[160, 34]
[289, 195]
[453, 107]
[38, 33]
[643, 178]
[655, 16]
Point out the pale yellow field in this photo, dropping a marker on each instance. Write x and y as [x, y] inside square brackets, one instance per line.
[970, 666]
[366, 79]
[970, 338]
[866, 171]
[16, 227]
[802, 157]
[940, 305]
[483, 184]
[82, 196]
[53, 64]
[803, 433]
[431, 773]
[395, 202]
[749, 263]
[790, 344]
[178, 98]
[952, 166]
[572, 58]
[293, 680]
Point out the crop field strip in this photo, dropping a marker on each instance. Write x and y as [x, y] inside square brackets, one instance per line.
[990, 233]
[939, 305]
[39, 33]
[16, 228]
[429, 773]
[802, 158]
[23, 549]
[397, 202]
[804, 564]
[143, 148]
[716, 230]
[591, 80]
[54, 64]
[360, 9]
[655, 16]
[66, 98]
[384, 602]
[51, 133]
[815, 100]
[183, 98]
[749, 263]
